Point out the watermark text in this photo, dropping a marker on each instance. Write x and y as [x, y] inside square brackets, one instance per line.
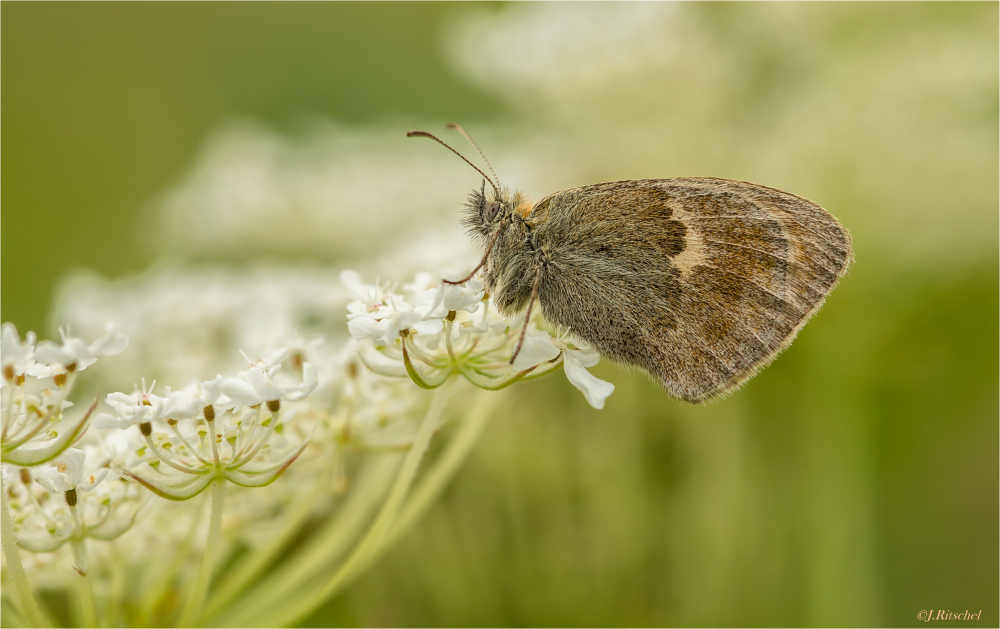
[928, 615]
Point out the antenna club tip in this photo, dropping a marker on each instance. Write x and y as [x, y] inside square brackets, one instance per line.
[452, 125]
[413, 134]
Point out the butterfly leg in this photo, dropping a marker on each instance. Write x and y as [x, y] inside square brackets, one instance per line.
[527, 314]
[482, 262]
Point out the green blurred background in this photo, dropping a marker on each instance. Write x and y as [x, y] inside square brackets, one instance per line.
[854, 482]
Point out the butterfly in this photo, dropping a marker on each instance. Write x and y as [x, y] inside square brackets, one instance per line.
[699, 281]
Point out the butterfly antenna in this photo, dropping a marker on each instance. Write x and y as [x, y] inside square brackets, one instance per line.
[457, 127]
[424, 134]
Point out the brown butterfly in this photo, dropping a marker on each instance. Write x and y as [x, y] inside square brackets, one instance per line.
[700, 281]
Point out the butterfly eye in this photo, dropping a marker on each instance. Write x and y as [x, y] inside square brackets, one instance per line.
[491, 211]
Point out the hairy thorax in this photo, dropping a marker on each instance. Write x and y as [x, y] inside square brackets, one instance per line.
[512, 263]
[511, 267]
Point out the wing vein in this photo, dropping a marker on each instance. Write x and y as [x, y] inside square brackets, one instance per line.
[752, 283]
[733, 244]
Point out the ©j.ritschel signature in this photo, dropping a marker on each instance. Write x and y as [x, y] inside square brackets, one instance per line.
[946, 614]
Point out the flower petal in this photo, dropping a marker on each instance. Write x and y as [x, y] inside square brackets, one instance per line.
[93, 480]
[180, 405]
[73, 459]
[121, 398]
[53, 484]
[275, 357]
[309, 383]
[466, 298]
[537, 349]
[240, 391]
[594, 389]
[106, 420]
[586, 357]
[114, 342]
[363, 327]
[211, 390]
[13, 352]
[49, 352]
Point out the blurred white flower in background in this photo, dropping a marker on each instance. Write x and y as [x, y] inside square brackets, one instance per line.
[601, 91]
[347, 190]
[551, 55]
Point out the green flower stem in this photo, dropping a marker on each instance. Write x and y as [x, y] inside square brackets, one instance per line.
[88, 607]
[242, 459]
[247, 438]
[449, 326]
[155, 589]
[196, 598]
[309, 599]
[215, 445]
[13, 558]
[164, 458]
[444, 468]
[114, 616]
[415, 375]
[45, 421]
[249, 569]
[12, 616]
[321, 550]
[187, 444]
[423, 357]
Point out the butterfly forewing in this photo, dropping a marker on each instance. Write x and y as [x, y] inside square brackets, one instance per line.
[699, 281]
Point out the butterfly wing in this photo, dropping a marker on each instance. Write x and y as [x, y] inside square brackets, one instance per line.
[699, 281]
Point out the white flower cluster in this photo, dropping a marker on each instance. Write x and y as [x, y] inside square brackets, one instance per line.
[331, 408]
[434, 330]
[191, 323]
[90, 508]
[35, 432]
[223, 429]
[210, 430]
[33, 409]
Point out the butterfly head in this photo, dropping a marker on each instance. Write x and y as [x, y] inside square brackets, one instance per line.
[486, 212]
[486, 209]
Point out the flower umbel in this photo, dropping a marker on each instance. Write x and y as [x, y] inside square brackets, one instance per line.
[220, 429]
[88, 508]
[33, 409]
[435, 330]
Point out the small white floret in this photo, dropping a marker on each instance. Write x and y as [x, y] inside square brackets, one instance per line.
[594, 389]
